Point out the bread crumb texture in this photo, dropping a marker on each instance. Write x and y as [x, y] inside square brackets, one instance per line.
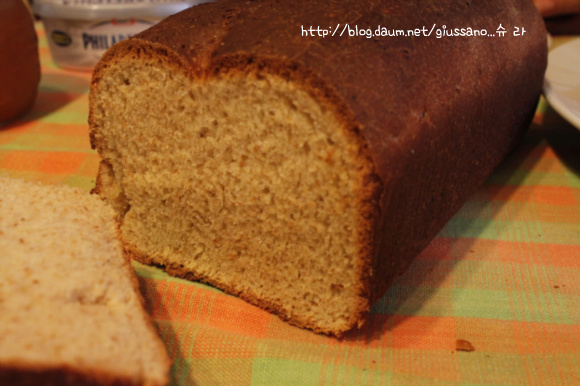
[464, 345]
[242, 180]
[68, 296]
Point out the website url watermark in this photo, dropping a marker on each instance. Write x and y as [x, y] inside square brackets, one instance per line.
[347, 30]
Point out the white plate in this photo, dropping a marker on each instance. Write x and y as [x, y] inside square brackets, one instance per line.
[562, 82]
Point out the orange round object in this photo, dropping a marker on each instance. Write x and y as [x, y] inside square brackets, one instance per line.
[19, 62]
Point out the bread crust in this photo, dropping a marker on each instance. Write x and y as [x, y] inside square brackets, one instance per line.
[431, 117]
[26, 374]
[148, 320]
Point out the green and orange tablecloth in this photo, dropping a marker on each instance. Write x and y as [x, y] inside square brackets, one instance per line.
[503, 275]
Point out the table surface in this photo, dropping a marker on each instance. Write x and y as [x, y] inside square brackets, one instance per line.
[503, 275]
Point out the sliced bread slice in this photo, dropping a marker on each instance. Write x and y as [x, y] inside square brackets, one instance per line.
[70, 307]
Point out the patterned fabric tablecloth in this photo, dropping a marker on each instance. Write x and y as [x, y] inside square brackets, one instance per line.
[493, 300]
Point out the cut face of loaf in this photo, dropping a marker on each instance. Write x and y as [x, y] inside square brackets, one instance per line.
[305, 174]
[244, 181]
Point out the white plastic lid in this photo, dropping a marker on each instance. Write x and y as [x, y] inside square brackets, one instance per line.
[107, 9]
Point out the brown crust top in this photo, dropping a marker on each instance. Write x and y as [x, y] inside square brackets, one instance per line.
[387, 84]
[433, 115]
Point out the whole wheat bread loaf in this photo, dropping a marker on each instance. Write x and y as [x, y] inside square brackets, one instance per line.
[70, 308]
[304, 173]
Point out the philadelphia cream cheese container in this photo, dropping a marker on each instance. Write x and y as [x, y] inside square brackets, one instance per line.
[80, 31]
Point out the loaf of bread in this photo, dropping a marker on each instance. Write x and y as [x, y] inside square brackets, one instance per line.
[302, 172]
[70, 308]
